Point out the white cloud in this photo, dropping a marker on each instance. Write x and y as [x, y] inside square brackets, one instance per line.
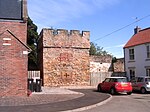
[116, 46]
[104, 3]
[53, 12]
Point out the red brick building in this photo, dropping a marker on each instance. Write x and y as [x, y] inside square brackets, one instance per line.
[13, 49]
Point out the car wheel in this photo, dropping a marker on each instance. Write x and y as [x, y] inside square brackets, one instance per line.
[112, 91]
[99, 88]
[129, 93]
[143, 90]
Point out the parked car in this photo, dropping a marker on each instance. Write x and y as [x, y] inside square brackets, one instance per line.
[115, 85]
[141, 84]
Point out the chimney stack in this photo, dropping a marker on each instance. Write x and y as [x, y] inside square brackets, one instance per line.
[137, 29]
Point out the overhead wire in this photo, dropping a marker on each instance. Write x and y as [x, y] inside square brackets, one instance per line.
[137, 20]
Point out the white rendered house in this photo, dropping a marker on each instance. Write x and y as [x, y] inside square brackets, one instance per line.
[137, 54]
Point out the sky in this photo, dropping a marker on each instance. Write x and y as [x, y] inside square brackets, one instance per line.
[100, 17]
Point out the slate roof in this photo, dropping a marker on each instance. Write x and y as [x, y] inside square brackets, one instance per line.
[142, 37]
[11, 9]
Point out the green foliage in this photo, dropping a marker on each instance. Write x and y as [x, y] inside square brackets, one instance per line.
[32, 34]
[114, 59]
[97, 50]
[32, 37]
[92, 49]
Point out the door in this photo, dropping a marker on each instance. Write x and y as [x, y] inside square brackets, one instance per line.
[105, 84]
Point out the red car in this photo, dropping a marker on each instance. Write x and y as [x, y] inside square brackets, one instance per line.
[115, 85]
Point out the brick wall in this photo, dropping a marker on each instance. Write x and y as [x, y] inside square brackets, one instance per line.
[13, 62]
[64, 57]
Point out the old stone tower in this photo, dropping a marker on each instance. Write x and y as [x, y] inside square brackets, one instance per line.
[64, 57]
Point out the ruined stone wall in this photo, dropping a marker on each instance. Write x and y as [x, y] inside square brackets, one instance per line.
[119, 65]
[65, 57]
[100, 64]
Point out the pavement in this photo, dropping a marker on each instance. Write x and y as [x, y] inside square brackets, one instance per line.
[54, 99]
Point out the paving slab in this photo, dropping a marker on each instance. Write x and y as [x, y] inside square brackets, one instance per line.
[58, 102]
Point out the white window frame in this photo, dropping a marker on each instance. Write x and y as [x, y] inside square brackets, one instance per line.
[148, 71]
[131, 54]
[132, 73]
[148, 51]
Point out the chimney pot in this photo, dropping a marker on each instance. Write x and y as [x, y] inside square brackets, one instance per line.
[137, 29]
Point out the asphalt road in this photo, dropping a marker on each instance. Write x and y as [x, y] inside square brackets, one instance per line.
[90, 97]
[125, 103]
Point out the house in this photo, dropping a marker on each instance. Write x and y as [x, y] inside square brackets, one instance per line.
[137, 54]
[13, 48]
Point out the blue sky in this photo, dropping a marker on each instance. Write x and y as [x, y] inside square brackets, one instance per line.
[100, 17]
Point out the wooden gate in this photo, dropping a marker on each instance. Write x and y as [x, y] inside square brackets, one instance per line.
[97, 77]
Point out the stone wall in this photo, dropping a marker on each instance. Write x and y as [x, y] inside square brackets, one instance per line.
[119, 65]
[64, 57]
[100, 68]
[100, 64]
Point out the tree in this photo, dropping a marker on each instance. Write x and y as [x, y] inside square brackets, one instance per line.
[92, 49]
[32, 37]
[97, 50]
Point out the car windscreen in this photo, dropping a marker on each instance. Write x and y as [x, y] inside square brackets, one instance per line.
[147, 79]
[122, 80]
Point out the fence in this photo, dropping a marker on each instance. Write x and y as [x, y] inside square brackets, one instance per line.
[34, 75]
[97, 77]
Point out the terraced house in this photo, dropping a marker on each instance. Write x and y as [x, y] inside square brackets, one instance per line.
[137, 53]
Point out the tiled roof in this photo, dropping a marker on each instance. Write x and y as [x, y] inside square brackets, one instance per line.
[142, 37]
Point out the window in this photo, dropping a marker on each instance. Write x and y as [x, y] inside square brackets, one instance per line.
[148, 51]
[147, 71]
[113, 80]
[140, 79]
[147, 79]
[107, 80]
[132, 74]
[131, 54]
[122, 80]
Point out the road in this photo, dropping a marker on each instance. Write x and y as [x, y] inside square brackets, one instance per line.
[125, 103]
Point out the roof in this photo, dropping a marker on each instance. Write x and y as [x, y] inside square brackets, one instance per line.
[142, 37]
[13, 9]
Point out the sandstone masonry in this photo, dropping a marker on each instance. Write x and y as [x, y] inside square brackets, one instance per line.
[119, 65]
[64, 57]
[100, 64]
